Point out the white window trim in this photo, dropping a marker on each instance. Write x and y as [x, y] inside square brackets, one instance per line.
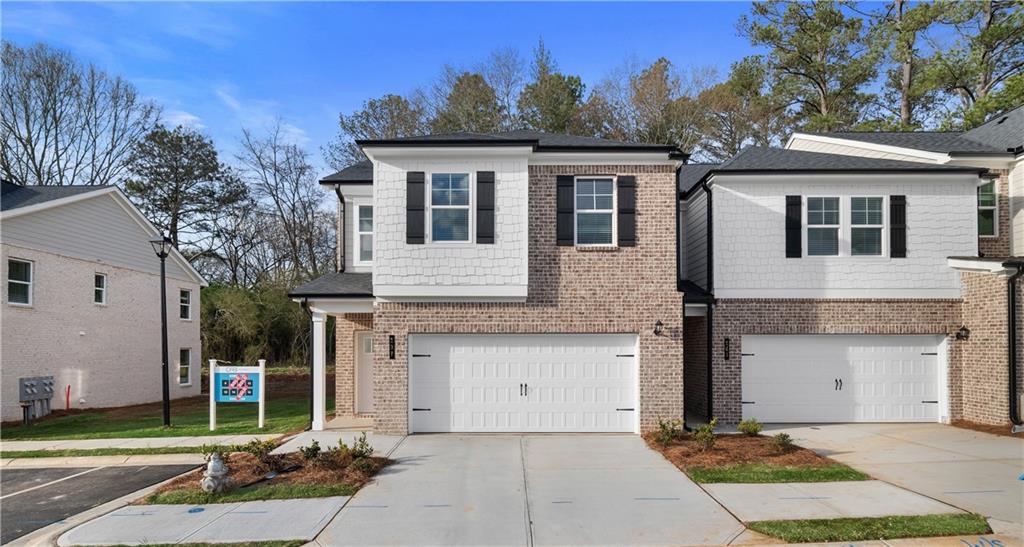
[994, 208]
[95, 288]
[358, 239]
[845, 227]
[807, 226]
[190, 302]
[189, 383]
[31, 282]
[614, 211]
[471, 207]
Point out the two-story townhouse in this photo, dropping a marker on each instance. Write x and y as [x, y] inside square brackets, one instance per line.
[820, 284]
[511, 282]
[81, 300]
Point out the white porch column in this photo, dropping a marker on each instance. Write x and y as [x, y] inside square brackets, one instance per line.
[319, 371]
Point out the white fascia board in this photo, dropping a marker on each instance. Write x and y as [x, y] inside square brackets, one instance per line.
[355, 190]
[936, 157]
[724, 179]
[338, 306]
[449, 292]
[981, 266]
[5, 215]
[603, 158]
[376, 153]
[908, 294]
[990, 162]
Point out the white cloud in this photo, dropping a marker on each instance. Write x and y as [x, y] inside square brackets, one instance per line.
[259, 114]
[174, 118]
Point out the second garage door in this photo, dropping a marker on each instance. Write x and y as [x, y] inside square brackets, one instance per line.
[523, 383]
[841, 378]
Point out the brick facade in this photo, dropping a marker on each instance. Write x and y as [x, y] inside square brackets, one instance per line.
[613, 290]
[345, 329]
[999, 245]
[735, 317]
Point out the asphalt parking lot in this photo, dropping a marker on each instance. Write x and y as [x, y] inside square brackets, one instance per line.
[33, 498]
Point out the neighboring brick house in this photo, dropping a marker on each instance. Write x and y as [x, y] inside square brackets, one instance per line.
[835, 290]
[81, 300]
[515, 281]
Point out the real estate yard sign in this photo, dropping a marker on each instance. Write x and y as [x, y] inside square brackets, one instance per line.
[230, 384]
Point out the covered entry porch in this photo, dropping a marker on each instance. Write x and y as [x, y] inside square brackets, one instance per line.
[348, 297]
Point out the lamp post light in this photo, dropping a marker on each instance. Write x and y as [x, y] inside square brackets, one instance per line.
[162, 247]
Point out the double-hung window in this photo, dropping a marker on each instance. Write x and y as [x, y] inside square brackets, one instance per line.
[185, 304]
[185, 366]
[823, 226]
[19, 282]
[866, 226]
[595, 211]
[987, 225]
[449, 207]
[364, 233]
[99, 291]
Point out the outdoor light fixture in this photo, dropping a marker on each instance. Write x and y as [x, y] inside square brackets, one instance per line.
[162, 248]
[963, 333]
[659, 328]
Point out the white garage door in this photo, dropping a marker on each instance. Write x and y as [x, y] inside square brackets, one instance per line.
[522, 383]
[840, 378]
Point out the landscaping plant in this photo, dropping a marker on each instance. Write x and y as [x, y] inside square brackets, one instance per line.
[782, 442]
[261, 450]
[668, 431]
[750, 427]
[361, 448]
[705, 435]
[311, 452]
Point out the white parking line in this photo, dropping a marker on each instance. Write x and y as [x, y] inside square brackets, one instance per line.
[37, 487]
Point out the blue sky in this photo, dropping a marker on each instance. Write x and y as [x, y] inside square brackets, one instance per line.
[222, 66]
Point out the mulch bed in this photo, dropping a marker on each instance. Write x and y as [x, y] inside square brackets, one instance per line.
[1003, 430]
[246, 468]
[733, 449]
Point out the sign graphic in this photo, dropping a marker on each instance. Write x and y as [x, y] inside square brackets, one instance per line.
[230, 384]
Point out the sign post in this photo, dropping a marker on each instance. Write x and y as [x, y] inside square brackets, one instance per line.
[230, 384]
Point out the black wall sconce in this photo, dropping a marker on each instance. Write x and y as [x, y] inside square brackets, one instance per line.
[728, 343]
[659, 328]
[963, 333]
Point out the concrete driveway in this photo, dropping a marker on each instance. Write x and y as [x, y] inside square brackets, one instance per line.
[530, 489]
[974, 471]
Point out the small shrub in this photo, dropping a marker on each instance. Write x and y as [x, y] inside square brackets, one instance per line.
[261, 450]
[750, 427]
[365, 465]
[782, 442]
[668, 431]
[209, 450]
[362, 448]
[705, 435]
[311, 452]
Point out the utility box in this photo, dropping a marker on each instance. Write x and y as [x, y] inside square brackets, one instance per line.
[35, 395]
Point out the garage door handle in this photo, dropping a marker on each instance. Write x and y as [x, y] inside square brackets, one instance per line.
[421, 410]
[836, 382]
[625, 409]
[520, 390]
[840, 384]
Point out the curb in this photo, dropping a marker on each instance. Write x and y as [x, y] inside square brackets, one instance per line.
[107, 461]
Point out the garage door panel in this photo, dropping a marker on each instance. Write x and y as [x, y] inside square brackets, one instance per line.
[796, 378]
[522, 382]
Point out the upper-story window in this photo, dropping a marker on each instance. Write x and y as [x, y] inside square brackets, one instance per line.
[449, 207]
[99, 291]
[19, 282]
[866, 226]
[185, 304]
[822, 226]
[364, 233]
[987, 225]
[595, 211]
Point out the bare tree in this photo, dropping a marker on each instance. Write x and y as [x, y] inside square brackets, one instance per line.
[503, 71]
[388, 117]
[281, 177]
[64, 122]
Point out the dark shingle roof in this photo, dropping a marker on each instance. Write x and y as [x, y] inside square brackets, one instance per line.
[14, 196]
[338, 284]
[521, 137]
[1004, 132]
[761, 159]
[692, 173]
[357, 173]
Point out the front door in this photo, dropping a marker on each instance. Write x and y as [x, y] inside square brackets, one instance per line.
[364, 373]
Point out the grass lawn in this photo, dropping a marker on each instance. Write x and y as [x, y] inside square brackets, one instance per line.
[864, 529]
[266, 492]
[759, 472]
[76, 452]
[285, 413]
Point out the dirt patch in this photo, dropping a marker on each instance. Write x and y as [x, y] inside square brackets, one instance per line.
[732, 449]
[1003, 430]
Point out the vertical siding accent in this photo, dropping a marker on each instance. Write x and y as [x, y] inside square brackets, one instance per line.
[414, 197]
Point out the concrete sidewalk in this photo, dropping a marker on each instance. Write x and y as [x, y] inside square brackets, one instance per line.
[101, 461]
[383, 445]
[244, 522]
[147, 442]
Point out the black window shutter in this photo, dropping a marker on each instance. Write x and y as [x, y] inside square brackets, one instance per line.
[564, 207]
[414, 195]
[898, 226]
[627, 211]
[485, 206]
[794, 218]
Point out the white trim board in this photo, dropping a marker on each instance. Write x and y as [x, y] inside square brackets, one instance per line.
[837, 293]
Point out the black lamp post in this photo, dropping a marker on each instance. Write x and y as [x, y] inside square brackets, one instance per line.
[162, 247]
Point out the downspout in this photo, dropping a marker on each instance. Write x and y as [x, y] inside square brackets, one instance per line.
[341, 231]
[305, 306]
[1011, 325]
[679, 283]
[710, 288]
